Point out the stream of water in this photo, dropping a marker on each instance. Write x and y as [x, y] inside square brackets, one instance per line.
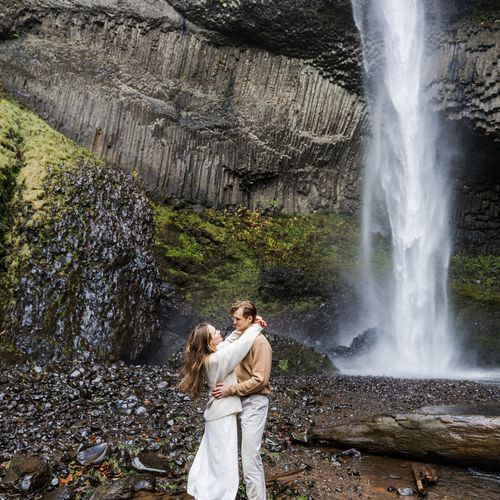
[406, 199]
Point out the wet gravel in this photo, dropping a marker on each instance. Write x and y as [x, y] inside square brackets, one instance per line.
[139, 414]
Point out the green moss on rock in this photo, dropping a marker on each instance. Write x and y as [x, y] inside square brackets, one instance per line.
[28, 147]
[78, 276]
[295, 359]
[476, 277]
[288, 262]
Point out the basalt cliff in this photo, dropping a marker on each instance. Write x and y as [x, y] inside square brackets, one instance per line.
[254, 103]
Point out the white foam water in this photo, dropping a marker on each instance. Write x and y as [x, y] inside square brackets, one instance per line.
[406, 199]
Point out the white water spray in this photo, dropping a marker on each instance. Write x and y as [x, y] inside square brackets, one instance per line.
[406, 198]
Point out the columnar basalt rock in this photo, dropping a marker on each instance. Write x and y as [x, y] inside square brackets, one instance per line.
[464, 89]
[197, 116]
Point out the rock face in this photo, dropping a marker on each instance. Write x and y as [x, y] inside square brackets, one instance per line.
[86, 285]
[249, 102]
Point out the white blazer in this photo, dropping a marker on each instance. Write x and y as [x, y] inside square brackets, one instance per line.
[219, 367]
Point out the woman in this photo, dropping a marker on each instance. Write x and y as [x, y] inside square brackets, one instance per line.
[214, 473]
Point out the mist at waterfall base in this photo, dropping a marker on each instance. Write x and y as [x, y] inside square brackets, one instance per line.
[406, 202]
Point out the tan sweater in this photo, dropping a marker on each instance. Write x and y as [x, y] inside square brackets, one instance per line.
[254, 371]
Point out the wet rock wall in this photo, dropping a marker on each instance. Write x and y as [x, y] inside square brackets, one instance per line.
[465, 79]
[476, 203]
[83, 280]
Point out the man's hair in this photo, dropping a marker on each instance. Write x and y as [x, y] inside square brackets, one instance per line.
[248, 307]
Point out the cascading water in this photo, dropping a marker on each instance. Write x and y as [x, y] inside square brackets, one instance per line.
[406, 197]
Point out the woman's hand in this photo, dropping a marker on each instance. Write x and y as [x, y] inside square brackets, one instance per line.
[260, 321]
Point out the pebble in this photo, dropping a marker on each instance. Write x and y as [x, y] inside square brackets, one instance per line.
[75, 374]
[405, 492]
[141, 411]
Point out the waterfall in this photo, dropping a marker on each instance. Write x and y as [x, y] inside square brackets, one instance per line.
[406, 198]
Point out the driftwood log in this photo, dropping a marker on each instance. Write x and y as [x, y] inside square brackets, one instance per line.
[431, 434]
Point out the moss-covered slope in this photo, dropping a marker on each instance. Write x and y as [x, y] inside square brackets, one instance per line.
[78, 277]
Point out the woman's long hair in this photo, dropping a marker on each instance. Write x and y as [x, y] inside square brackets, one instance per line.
[197, 348]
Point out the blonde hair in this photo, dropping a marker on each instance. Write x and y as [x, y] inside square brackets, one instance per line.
[248, 307]
[198, 347]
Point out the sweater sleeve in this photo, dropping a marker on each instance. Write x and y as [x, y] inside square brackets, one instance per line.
[231, 355]
[261, 371]
[229, 340]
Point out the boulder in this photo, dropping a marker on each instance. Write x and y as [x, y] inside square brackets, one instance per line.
[84, 286]
[28, 473]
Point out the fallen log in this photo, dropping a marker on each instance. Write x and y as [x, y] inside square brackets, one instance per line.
[457, 435]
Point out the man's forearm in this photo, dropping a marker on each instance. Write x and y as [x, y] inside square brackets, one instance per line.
[250, 386]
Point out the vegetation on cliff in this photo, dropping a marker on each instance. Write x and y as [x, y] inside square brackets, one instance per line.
[288, 263]
[28, 148]
[475, 288]
[476, 277]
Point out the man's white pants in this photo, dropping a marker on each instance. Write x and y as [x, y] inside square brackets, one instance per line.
[252, 421]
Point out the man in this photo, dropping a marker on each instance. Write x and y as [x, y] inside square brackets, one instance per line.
[253, 387]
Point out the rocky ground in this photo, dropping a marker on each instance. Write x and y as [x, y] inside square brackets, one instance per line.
[116, 431]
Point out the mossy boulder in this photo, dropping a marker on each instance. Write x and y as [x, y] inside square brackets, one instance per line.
[293, 358]
[79, 277]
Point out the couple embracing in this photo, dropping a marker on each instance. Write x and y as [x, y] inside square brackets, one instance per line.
[237, 371]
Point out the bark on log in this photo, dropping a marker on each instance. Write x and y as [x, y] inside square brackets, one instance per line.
[465, 439]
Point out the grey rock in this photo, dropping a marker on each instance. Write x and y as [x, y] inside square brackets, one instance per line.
[405, 492]
[149, 462]
[141, 411]
[92, 454]
[26, 483]
[75, 374]
[351, 452]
